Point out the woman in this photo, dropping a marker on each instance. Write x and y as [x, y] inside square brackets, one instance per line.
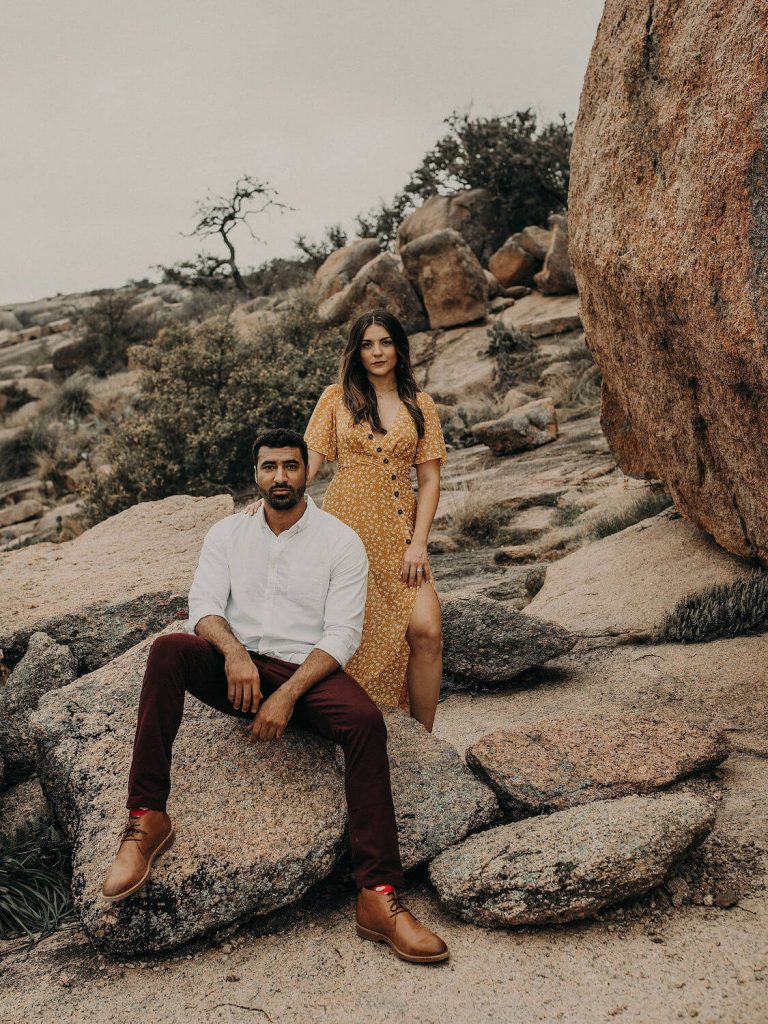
[377, 424]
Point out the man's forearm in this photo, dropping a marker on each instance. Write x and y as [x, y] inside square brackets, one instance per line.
[317, 666]
[216, 630]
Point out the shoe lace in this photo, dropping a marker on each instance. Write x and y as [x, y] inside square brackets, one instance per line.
[396, 905]
[133, 832]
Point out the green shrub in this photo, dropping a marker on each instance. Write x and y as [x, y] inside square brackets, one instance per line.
[73, 400]
[18, 453]
[205, 394]
[34, 886]
[111, 327]
[649, 503]
[729, 609]
[513, 350]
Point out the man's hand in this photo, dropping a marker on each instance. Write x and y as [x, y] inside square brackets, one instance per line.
[243, 681]
[273, 716]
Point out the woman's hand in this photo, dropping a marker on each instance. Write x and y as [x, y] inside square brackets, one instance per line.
[253, 508]
[415, 568]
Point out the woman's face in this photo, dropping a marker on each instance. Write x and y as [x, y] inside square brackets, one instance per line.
[378, 353]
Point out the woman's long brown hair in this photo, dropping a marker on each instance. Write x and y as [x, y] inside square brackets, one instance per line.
[359, 395]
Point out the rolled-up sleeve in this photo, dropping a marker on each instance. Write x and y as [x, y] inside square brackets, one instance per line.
[210, 588]
[345, 602]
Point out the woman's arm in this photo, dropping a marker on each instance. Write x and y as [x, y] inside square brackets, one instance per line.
[316, 459]
[415, 558]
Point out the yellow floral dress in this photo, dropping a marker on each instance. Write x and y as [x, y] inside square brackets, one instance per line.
[372, 492]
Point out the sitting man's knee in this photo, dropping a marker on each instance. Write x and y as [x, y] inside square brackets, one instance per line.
[369, 719]
[171, 645]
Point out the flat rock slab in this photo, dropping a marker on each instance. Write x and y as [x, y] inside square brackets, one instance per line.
[257, 824]
[438, 801]
[663, 559]
[489, 642]
[539, 315]
[110, 587]
[556, 763]
[569, 865]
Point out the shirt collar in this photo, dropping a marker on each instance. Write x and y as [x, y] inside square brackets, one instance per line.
[298, 526]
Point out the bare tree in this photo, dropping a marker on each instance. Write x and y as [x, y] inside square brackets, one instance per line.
[220, 215]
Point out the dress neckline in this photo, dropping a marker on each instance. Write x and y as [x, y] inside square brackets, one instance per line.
[386, 433]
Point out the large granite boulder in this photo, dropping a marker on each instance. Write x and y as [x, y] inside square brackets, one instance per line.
[556, 763]
[472, 213]
[438, 801]
[556, 276]
[46, 666]
[256, 823]
[569, 865]
[668, 215]
[448, 277]
[337, 271]
[486, 641]
[539, 315]
[380, 282]
[662, 559]
[524, 427]
[113, 585]
[454, 365]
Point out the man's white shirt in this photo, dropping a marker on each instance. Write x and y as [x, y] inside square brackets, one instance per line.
[284, 595]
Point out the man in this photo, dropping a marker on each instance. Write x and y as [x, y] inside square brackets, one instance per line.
[276, 606]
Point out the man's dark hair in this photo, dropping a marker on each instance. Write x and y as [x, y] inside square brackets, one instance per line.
[281, 439]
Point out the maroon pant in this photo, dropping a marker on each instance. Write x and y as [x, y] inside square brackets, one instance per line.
[335, 707]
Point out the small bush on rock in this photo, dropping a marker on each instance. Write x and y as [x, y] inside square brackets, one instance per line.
[34, 887]
[111, 327]
[73, 400]
[512, 349]
[474, 512]
[730, 609]
[18, 453]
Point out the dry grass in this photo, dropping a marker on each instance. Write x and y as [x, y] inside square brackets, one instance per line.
[474, 512]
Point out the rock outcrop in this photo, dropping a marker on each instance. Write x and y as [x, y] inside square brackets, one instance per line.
[512, 264]
[556, 276]
[471, 213]
[381, 282]
[524, 427]
[662, 559]
[337, 271]
[46, 666]
[448, 277]
[539, 315]
[257, 824]
[485, 641]
[556, 763]
[668, 215]
[438, 801]
[568, 865]
[113, 585]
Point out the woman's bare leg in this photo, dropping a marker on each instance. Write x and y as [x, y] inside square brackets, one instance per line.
[425, 664]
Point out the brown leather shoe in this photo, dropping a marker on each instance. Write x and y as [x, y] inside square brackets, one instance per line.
[381, 917]
[142, 840]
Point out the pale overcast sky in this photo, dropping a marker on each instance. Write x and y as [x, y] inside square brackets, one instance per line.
[118, 116]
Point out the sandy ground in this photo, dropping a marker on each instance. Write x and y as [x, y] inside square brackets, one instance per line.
[646, 961]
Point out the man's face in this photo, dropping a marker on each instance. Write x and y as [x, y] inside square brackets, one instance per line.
[281, 477]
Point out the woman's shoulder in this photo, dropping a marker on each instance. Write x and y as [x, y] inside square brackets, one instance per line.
[331, 394]
[425, 400]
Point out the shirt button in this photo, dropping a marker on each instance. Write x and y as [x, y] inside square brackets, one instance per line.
[378, 449]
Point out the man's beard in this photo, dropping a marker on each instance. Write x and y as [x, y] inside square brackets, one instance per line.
[281, 502]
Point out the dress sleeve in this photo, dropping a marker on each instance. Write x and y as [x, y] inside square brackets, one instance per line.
[432, 445]
[320, 434]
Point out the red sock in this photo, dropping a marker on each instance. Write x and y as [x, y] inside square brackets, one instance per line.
[136, 812]
[381, 888]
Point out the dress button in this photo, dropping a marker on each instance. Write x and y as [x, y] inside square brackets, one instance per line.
[408, 542]
[399, 511]
[397, 494]
[370, 437]
[394, 476]
[378, 449]
[386, 461]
